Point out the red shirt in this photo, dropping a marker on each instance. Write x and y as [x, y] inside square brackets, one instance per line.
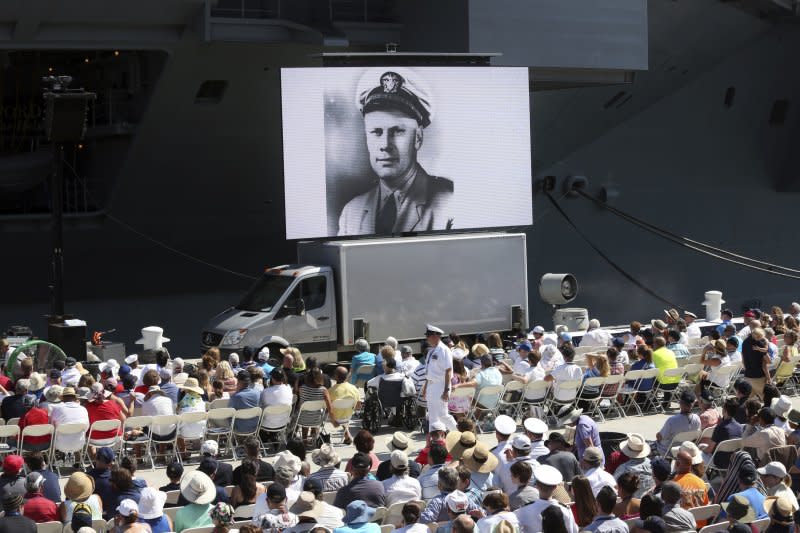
[422, 458]
[40, 509]
[6, 382]
[36, 415]
[105, 410]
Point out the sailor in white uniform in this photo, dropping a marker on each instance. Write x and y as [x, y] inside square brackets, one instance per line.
[439, 370]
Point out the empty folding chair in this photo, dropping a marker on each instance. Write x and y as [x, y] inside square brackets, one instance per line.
[13, 422]
[245, 424]
[706, 512]
[485, 402]
[511, 399]
[219, 403]
[608, 397]
[721, 378]
[665, 390]
[591, 386]
[533, 395]
[724, 447]
[628, 391]
[563, 397]
[49, 527]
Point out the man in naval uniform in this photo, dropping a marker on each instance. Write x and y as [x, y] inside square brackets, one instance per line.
[439, 368]
[404, 198]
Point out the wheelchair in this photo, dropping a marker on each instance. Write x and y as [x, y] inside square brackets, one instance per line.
[379, 403]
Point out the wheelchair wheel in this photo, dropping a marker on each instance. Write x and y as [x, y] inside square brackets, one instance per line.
[409, 419]
[371, 420]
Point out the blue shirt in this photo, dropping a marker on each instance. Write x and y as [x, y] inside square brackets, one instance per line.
[245, 399]
[102, 487]
[171, 390]
[51, 488]
[158, 525]
[645, 384]
[359, 360]
[364, 527]
[755, 498]
[721, 327]
[267, 368]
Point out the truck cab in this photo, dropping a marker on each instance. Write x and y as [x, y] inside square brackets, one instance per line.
[288, 304]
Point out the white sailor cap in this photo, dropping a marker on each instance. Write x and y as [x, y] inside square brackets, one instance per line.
[689, 313]
[132, 358]
[548, 475]
[505, 425]
[535, 426]
[537, 329]
[433, 330]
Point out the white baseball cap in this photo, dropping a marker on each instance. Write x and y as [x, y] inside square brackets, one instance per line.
[437, 425]
[457, 501]
[774, 468]
[127, 506]
[521, 442]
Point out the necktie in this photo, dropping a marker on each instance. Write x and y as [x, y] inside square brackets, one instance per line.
[387, 216]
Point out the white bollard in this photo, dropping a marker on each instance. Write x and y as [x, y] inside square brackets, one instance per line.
[713, 304]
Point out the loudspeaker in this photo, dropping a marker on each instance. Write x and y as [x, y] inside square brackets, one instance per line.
[71, 339]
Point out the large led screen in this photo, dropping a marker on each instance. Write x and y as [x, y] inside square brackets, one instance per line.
[382, 151]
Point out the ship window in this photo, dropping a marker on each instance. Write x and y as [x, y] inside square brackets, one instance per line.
[778, 114]
[211, 92]
[730, 94]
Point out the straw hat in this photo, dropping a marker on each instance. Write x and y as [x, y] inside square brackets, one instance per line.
[479, 459]
[779, 509]
[479, 350]
[79, 487]
[38, 382]
[325, 456]
[457, 443]
[192, 385]
[197, 487]
[307, 505]
[635, 447]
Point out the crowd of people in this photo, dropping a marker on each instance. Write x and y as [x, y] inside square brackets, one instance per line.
[532, 480]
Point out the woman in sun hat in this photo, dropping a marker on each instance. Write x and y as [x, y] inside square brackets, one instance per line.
[199, 490]
[151, 510]
[79, 493]
[192, 402]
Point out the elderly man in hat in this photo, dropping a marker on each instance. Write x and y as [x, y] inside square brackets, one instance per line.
[692, 329]
[12, 479]
[561, 456]
[399, 442]
[439, 367]
[592, 464]
[546, 479]
[401, 486]
[436, 510]
[69, 411]
[637, 452]
[360, 486]
[329, 474]
[396, 111]
[37, 507]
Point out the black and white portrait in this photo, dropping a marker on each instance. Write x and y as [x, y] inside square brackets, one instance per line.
[407, 149]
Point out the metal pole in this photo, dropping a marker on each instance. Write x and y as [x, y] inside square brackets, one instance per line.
[57, 190]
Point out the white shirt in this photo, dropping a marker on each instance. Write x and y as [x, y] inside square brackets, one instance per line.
[551, 358]
[599, 478]
[714, 374]
[522, 367]
[440, 359]
[159, 405]
[413, 528]
[622, 357]
[566, 372]
[70, 376]
[504, 477]
[70, 413]
[530, 516]
[499, 451]
[276, 395]
[596, 337]
[743, 333]
[486, 524]
[407, 366]
[401, 489]
[693, 331]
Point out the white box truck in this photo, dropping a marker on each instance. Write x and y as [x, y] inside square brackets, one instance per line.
[375, 288]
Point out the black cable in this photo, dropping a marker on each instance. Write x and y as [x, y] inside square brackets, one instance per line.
[689, 243]
[608, 260]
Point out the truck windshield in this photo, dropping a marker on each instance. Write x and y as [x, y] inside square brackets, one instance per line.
[265, 293]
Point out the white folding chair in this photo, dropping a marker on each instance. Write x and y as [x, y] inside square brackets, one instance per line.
[608, 394]
[246, 415]
[564, 394]
[207, 529]
[244, 511]
[164, 434]
[725, 376]
[219, 426]
[68, 449]
[668, 389]
[719, 526]
[187, 420]
[726, 446]
[9, 439]
[534, 395]
[343, 405]
[37, 430]
[12, 422]
[49, 527]
[172, 497]
[706, 512]
[275, 421]
[387, 528]
[363, 374]
[171, 512]
[761, 524]
[628, 391]
[486, 401]
[591, 403]
[315, 414]
[219, 403]
[131, 444]
[679, 439]
[103, 426]
[511, 399]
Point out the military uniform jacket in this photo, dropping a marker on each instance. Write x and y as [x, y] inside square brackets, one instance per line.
[427, 207]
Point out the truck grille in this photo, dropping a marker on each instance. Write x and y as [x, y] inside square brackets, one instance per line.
[211, 339]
